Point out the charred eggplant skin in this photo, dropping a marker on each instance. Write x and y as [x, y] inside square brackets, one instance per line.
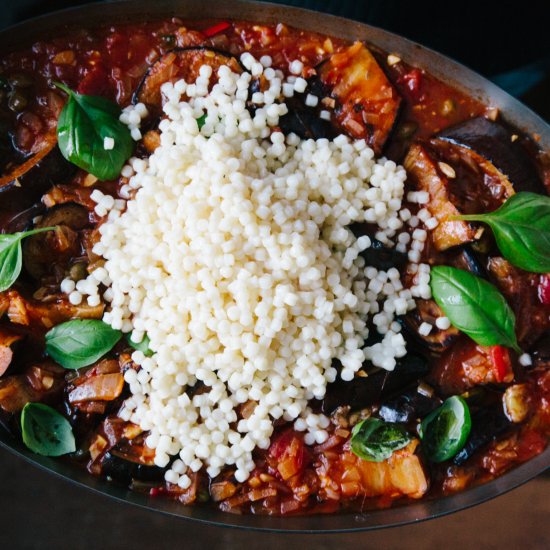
[364, 392]
[496, 143]
[304, 121]
[487, 424]
[124, 471]
[36, 256]
[408, 406]
[27, 189]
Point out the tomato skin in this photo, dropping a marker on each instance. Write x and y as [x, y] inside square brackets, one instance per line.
[413, 82]
[502, 364]
[544, 289]
[289, 453]
[216, 29]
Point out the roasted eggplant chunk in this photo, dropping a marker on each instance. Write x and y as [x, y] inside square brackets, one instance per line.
[497, 150]
[487, 424]
[61, 244]
[426, 175]
[378, 255]
[124, 471]
[177, 64]
[25, 183]
[365, 391]
[427, 311]
[541, 352]
[304, 121]
[367, 104]
[408, 406]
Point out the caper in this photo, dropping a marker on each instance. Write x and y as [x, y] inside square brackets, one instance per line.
[17, 102]
[20, 80]
[78, 271]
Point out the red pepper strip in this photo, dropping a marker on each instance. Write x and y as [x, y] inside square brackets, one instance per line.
[544, 290]
[216, 29]
[501, 363]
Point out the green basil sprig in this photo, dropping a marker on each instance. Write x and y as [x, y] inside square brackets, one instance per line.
[474, 306]
[375, 440]
[143, 346]
[11, 256]
[80, 342]
[45, 431]
[84, 123]
[521, 227]
[444, 431]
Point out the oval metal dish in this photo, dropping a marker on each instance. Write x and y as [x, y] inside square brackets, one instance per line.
[457, 75]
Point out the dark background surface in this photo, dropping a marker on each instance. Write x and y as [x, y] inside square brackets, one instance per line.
[507, 41]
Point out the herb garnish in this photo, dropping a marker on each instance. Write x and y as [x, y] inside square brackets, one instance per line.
[375, 440]
[45, 431]
[142, 346]
[474, 306]
[80, 342]
[521, 227]
[83, 125]
[445, 431]
[11, 256]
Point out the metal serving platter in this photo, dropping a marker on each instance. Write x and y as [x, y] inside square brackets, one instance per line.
[67, 21]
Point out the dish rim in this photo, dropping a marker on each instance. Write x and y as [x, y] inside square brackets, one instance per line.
[442, 67]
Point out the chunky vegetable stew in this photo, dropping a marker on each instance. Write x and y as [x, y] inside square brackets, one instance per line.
[266, 270]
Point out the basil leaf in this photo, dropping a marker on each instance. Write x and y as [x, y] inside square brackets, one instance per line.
[11, 256]
[375, 440]
[45, 431]
[521, 227]
[474, 306]
[444, 431]
[143, 346]
[80, 342]
[201, 121]
[84, 123]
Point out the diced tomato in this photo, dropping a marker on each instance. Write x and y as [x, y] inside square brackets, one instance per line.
[502, 364]
[216, 29]
[289, 451]
[531, 444]
[95, 82]
[544, 289]
[413, 81]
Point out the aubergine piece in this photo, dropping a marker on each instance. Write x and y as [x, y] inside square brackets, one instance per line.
[487, 425]
[425, 175]
[25, 183]
[366, 391]
[124, 471]
[468, 259]
[177, 64]
[540, 352]
[427, 311]
[39, 250]
[408, 406]
[304, 121]
[498, 151]
[367, 104]
[383, 258]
